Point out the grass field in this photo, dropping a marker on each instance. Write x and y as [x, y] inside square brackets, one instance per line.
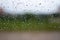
[12, 24]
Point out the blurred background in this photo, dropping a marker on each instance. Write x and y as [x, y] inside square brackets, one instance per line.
[29, 15]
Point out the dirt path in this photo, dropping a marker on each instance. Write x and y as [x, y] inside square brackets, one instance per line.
[30, 36]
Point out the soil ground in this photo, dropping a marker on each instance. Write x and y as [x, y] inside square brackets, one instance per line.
[29, 35]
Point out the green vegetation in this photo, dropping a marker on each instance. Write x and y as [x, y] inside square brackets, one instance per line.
[28, 22]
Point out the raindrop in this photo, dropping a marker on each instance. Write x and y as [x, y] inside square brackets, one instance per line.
[36, 6]
[8, 6]
[52, 1]
[26, 5]
[48, 9]
[41, 23]
[29, 3]
[37, 10]
[24, 10]
[15, 7]
[59, 26]
[19, 3]
[28, 24]
[3, 23]
[38, 23]
[4, 27]
[1, 4]
[22, 22]
[39, 3]
[54, 26]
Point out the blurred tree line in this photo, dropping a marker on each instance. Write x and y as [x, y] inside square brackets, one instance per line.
[29, 16]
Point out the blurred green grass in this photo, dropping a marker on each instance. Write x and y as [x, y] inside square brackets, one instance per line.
[27, 26]
[20, 24]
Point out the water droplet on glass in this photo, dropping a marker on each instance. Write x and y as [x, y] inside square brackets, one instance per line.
[26, 5]
[39, 3]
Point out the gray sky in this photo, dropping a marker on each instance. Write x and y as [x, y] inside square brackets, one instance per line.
[16, 6]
